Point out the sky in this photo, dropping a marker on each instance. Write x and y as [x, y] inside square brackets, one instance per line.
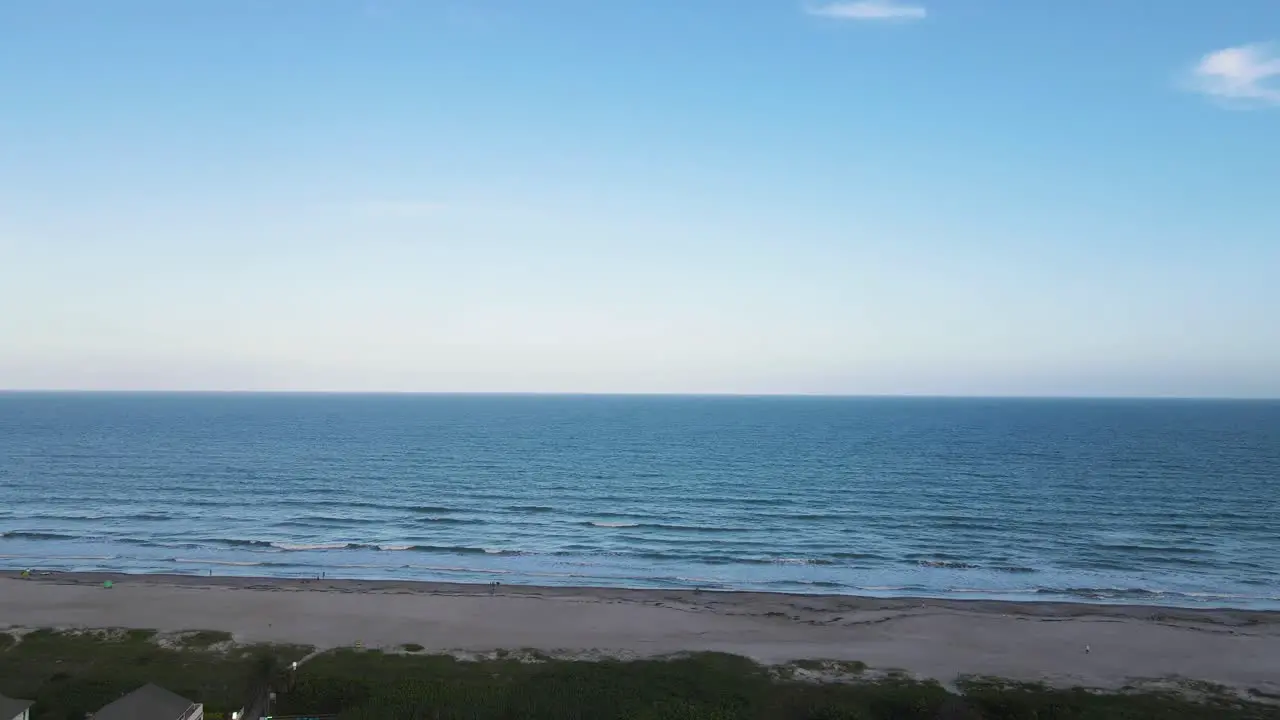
[932, 197]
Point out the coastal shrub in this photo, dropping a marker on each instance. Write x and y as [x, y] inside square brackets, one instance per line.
[140, 635]
[70, 674]
[364, 686]
[205, 638]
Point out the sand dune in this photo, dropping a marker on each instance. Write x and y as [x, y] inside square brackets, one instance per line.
[931, 638]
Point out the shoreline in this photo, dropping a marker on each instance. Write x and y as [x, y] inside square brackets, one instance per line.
[1063, 644]
[1118, 596]
[1051, 607]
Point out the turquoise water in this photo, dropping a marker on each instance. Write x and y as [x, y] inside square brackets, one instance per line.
[1170, 502]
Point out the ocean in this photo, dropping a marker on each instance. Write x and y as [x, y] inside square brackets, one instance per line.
[1137, 501]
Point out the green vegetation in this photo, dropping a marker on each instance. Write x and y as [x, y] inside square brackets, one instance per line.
[205, 638]
[995, 698]
[140, 635]
[833, 667]
[375, 686]
[412, 647]
[71, 673]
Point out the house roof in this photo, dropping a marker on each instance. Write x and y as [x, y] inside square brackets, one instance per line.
[10, 708]
[149, 702]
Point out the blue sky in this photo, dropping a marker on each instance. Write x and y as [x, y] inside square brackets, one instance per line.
[961, 197]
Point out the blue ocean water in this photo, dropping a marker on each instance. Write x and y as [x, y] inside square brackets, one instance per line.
[1169, 502]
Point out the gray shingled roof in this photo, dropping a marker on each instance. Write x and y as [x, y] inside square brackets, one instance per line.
[10, 708]
[149, 702]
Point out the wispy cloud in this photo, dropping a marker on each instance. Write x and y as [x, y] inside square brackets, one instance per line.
[1248, 74]
[869, 10]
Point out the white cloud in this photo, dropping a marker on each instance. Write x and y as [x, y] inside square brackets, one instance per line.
[869, 10]
[1248, 73]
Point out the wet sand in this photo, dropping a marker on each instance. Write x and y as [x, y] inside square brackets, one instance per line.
[940, 639]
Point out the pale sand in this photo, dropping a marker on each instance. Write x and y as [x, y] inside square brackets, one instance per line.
[937, 639]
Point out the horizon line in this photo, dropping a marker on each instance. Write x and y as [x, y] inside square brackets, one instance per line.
[518, 393]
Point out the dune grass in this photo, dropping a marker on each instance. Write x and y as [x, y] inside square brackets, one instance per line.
[72, 673]
[368, 685]
[69, 674]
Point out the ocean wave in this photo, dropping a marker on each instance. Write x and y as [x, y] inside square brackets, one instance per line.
[149, 516]
[326, 521]
[1107, 593]
[56, 517]
[451, 521]
[146, 542]
[803, 516]
[439, 568]
[1139, 594]
[443, 549]
[771, 502]
[283, 546]
[346, 503]
[235, 563]
[530, 508]
[1153, 549]
[95, 517]
[935, 556]
[673, 527]
[807, 583]
[966, 565]
[297, 547]
[170, 545]
[60, 557]
[947, 564]
[232, 542]
[39, 535]
[701, 558]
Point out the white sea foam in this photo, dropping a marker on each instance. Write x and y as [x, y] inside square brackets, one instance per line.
[304, 546]
[218, 562]
[439, 568]
[615, 524]
[391, 548]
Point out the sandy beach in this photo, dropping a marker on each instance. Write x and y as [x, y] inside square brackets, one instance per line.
[939, 639]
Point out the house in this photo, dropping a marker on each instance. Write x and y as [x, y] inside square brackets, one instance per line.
[11, 709]
[151, 702]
